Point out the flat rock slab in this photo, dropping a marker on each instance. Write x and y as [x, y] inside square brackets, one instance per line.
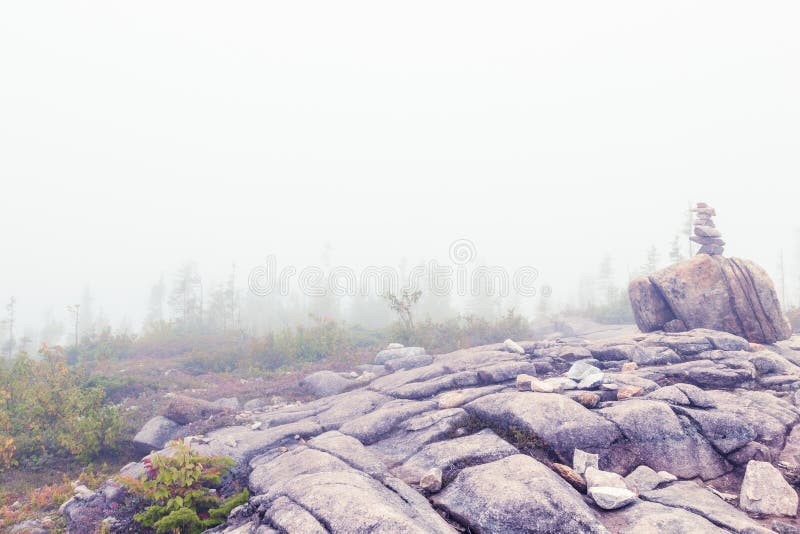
[652, 518]
[560, 422]
[455, 454]
[689, 496]
[655, 437]
[371, 427]
[516, 495]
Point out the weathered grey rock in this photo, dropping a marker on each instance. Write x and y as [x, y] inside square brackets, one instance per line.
[698, 500]
[560, 422]
[644, 479]
[505, 371]
[413, 434]
[349, 501]
[655, 437]
[765, 491]
[349, 450]
[154, 434]
[516, 495]
[455, 454]
[242, 443]
[752, 451]
[611, 498]
[646, 517]
[372, 426]
[289, 517]
[790, 455]
[708, 374]
[408, 362]
[726, 431]
[400, 352]
[325, 383]
[651, 311]
[727, 294]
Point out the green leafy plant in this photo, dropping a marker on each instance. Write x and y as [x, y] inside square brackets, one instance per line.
[46, 409]
[181, 490]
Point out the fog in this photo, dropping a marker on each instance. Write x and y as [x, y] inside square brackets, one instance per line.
[137, 136]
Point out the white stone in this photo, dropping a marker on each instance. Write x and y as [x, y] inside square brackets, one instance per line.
[597, 478]
[540, 386]
[609, 498]
[561, 383]
[582, 460]
[513, 346]
[591, 381]
[580, 370]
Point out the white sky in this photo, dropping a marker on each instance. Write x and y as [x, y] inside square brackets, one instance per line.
[134, 135]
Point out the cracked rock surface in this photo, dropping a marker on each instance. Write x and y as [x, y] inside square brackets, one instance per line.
[701, 416]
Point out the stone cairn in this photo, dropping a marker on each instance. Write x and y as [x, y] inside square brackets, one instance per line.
[705, 231]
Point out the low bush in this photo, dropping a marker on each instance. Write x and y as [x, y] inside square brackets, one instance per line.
[180, 490]
[46, 410]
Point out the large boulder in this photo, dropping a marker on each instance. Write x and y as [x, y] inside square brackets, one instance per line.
[154, 434]
[184, 410]
[325, 383]
[728, 294]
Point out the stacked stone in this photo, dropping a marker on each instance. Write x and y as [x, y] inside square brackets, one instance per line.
[705, 231]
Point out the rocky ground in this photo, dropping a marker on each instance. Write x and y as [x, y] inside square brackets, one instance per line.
[660, 432]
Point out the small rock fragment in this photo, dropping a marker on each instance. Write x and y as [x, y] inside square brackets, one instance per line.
[561, 383]
[524, 382]
[512, 346]
[582, 460]
[591, 381]
[611, 498]
[597, 478]
[588, 399]
[540, 386]
[629, 366]
[626, 392]
[432, 480]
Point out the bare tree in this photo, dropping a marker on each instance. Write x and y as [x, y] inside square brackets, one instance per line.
[402, 305]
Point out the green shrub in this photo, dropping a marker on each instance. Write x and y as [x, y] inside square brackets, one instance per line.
[180, 490]
[45, 409]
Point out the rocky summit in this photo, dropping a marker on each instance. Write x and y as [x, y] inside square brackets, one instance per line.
[667, 432]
